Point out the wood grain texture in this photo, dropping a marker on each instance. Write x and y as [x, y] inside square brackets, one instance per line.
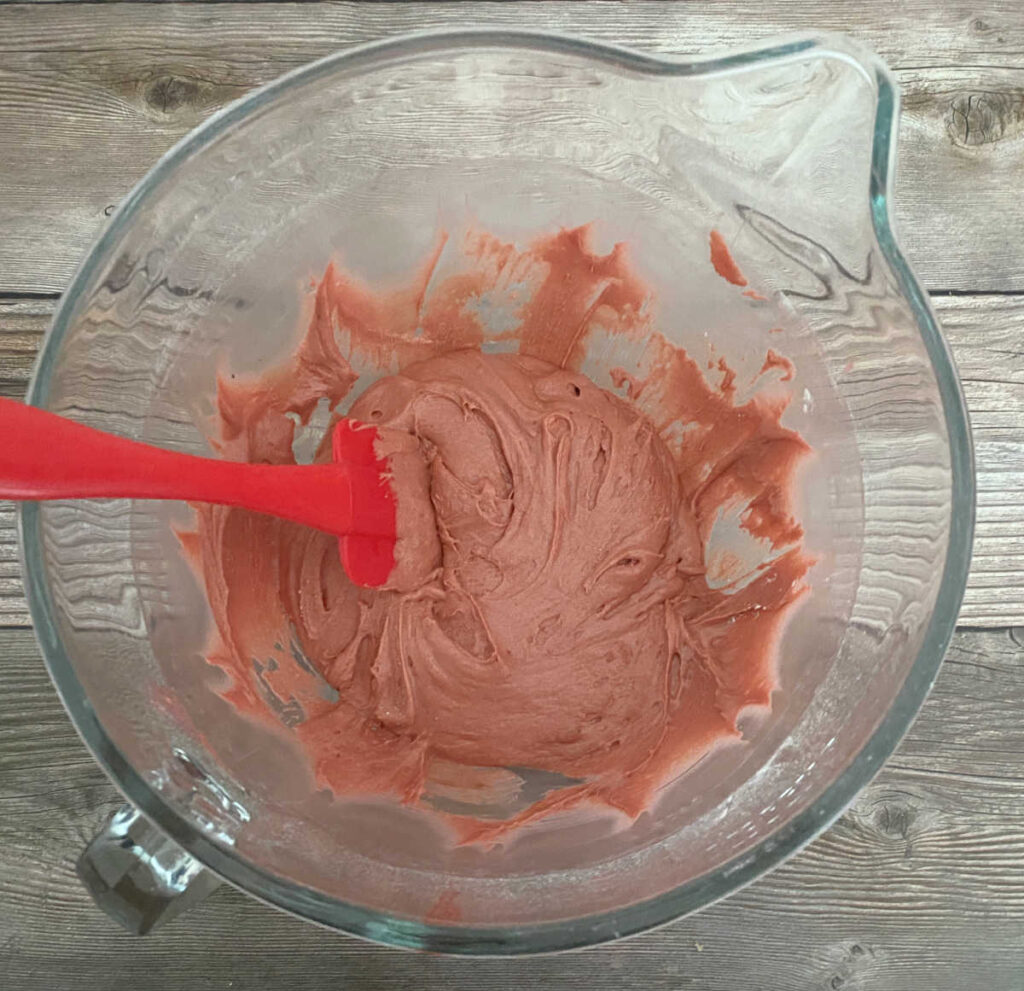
[91, 95]
[986, 334]
[919, 886]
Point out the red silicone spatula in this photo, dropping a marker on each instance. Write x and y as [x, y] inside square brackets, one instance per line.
[44, 456]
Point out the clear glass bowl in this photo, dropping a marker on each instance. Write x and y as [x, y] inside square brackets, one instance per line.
[788, 151]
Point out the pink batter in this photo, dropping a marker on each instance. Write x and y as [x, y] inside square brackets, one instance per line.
[551, 609]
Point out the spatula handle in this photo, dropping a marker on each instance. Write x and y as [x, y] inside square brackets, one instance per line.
[45, 456]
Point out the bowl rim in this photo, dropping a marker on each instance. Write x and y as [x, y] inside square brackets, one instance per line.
[776, 847]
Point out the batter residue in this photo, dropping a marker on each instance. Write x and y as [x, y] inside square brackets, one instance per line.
[567, 618]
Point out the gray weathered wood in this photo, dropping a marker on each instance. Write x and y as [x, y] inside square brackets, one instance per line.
[919, 886]
[987, 336]
[91, 95]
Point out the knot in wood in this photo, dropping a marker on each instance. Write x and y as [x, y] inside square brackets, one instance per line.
[976, 119]
[169, 93]
[894, 818]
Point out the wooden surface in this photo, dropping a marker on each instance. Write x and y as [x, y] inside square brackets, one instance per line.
[921, 884]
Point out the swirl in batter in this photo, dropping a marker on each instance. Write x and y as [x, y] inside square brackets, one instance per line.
[554, 611]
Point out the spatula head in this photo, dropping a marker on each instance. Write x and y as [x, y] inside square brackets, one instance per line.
[368, 558]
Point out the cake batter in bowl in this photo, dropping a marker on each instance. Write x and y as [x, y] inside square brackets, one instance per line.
[729, 221]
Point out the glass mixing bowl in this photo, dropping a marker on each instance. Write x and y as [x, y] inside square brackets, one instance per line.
[362, 157]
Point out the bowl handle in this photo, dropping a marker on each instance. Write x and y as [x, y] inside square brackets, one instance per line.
[138, 876]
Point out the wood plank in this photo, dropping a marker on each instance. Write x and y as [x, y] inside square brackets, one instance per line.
[987, 337]
[91, 95]
[986, 334]
[920, 32]
[918, 886]
[21, 330]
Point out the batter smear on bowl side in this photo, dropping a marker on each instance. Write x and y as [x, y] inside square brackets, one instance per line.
[562, 612]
